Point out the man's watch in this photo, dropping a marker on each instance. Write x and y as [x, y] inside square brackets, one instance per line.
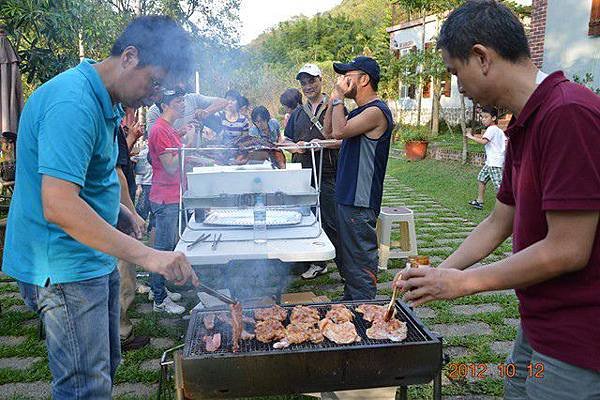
[336, 102]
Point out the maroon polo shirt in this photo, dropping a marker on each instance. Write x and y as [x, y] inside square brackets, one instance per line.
[553, 164]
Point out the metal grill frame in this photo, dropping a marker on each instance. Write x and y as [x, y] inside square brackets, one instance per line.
[312, 368]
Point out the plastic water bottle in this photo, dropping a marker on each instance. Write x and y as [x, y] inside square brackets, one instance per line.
[260, 214]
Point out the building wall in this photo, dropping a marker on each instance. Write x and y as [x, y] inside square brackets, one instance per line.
[411, 36]
[538, 31]
[567, 45]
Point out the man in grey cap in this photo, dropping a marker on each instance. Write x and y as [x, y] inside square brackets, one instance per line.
[306, 125]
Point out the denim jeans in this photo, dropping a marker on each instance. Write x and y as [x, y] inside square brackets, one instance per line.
[358, 245]
[166, 216]
[81, 320]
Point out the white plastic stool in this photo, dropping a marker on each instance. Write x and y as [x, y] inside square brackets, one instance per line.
[407, 245]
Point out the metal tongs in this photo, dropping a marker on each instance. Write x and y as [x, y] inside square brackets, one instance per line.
[201, 239]
[218, 295]
[391, 310]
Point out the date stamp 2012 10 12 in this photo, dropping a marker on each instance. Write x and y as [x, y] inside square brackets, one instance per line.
[458, 371]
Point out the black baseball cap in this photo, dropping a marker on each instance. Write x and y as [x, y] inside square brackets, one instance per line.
[360, 63]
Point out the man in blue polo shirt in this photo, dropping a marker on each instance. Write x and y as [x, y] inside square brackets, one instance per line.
[61, 240]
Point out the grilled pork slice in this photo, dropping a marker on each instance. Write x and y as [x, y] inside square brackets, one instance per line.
[276, 312]
[224, 318]
[394, 330]
[236, 324]
[209, 321]
[212, 342]
[305, 315]
[269, 330]
[343, 333]
[339, 313]
[372, 312]
[299, 333]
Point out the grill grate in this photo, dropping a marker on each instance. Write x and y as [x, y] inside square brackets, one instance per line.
[195, 348]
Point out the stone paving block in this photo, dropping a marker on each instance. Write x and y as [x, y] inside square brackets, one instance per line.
[151, 365]
[384, 285]
[502, 348]
[454, 330]
[12, 341]
[516, 322]
[145, 308]
[425, 312]
[18, 362]
[19, 308]
[135, 389]
[162, 343]
[472, 309]
[444, 249]
[452, 242]
[456, 351]
[27, 390]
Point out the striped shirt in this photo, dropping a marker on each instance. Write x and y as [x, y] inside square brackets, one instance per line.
[362, 163]
[232, 130]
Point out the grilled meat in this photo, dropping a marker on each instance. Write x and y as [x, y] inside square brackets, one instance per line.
[394, 330]
[304, 315]
[343, 333]
[339, 313]
[246, 335]
[247, 144]
[371, 312]
[296, 333]
[276, 313]
[224, 318]
[236, 324]
[269, 330]
[209, 321]
[212, 342]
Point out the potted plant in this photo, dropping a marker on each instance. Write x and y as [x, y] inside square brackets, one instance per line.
[416, 140]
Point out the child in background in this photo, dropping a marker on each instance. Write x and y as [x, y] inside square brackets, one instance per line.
[494, 141]
[264, 125]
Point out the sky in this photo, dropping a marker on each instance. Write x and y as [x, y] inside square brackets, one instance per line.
[260, 15]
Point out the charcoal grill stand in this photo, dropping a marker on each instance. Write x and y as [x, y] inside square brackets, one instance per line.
[304, 242]
[422, 351]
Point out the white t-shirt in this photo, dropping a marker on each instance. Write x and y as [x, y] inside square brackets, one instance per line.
[495, 148]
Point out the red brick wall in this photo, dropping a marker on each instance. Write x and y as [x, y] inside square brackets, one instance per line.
[538, 30]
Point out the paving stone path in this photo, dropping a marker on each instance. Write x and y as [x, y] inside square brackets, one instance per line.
[479, 329]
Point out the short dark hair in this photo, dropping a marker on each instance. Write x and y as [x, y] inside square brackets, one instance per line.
[493, 111]
[243, 102]
[291, 98]
[160, 42]
[262, 113]
[486, 22]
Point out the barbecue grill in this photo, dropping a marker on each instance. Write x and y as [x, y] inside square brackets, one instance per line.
[258, 369]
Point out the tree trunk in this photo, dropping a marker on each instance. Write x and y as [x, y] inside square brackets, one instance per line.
[81, 49]
[420, 87]
[463, 127]
[435, 112]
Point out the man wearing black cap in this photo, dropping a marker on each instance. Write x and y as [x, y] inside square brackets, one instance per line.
[366, 134]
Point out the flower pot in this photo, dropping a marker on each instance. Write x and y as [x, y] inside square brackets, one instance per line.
[416, 150]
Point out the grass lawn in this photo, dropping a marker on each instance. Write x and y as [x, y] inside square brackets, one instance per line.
[454, 142]
[451, 184]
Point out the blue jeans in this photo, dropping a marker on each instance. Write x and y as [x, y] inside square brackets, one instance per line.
[81, 320]
[165, 239]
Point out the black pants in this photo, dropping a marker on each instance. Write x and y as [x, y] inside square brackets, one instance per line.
[329, 217]
[358, 245]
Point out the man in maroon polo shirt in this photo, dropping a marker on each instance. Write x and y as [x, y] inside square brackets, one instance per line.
[549, 201]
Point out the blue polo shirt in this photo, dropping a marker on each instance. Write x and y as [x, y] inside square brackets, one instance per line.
[67, 131]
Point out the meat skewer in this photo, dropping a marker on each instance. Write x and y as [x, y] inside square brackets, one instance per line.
[236, 324]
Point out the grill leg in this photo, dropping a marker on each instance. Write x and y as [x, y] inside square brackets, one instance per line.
[402, 393]
[437, 386]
